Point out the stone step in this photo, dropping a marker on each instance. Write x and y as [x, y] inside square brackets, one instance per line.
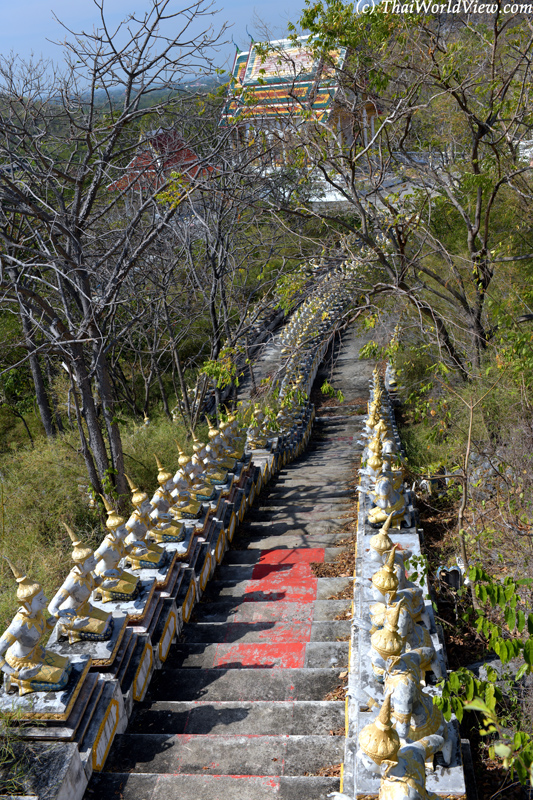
[239, 590]
[108, 786]
[291, 536]
[281, 531]
[252, 557]
[283, 655]
[214, 685]
[212, 754]
[238, 717]
[232, 611]
[268, 631]
[322, 510]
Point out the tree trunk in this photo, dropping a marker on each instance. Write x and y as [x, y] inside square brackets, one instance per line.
[88, 411]
[38, 380]
[87, 455]
[181, 377]
[113, 431]
[57, 416]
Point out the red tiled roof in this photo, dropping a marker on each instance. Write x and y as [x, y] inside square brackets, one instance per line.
[162, 153]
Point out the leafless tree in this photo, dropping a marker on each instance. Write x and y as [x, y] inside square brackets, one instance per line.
[68, 135]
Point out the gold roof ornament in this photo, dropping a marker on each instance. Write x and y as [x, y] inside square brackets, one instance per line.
[162, 476]
[381, 541]
[385, 579]
[387, 641]
[137, 495]
[197, 446]
[379, 740]
[27, 588]
[114, 520]
[79, 553]
[212, 429]
[184, 459]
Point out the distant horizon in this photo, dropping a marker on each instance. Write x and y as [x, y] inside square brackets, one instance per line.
[28, 27]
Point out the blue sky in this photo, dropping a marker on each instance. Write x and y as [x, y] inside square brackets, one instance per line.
[26, 25]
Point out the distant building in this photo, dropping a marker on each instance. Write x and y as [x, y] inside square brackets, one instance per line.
[160, 153]
[272, 95]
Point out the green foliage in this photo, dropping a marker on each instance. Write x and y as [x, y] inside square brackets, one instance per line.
[223, 369]
[288, 287]
[463, 692]
[328, 390]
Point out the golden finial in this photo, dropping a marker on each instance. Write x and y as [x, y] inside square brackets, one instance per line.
[381, 541]
[379, 740]
[27, 589]
[137, 495]
[212, 429]
[197, 446]
[162, 476]
[79, 553]
[385, 580]
[113, 520]
[132, 486]
[184, 459]
[387, 641]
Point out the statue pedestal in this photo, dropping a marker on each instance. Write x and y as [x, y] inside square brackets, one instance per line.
[161, 574]
[216, 503]
[186, 595]
[200, 522]
[102, 653]
[160, 629]
[49, 706]
[96, 734]
[134, 609]
[182, 549]
[225, 488]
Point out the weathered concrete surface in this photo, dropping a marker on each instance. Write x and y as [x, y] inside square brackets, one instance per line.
[238, 710]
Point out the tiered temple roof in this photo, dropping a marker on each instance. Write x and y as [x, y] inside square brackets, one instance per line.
[281, 80]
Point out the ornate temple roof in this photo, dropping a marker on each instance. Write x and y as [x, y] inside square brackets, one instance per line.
[282, 80]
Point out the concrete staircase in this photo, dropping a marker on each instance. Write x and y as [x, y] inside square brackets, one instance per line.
[239, 709]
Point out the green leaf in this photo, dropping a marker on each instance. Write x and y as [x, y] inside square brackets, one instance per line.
[528, 652]
[502, 750]
[521, 672]
[510, 618]
[478, 705]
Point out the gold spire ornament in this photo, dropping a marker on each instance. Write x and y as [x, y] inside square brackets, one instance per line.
[184, 459]
[138, 497]
[379, 740]
[381, 542]
[385, 580]
[387, 641]
[114, 520]
[27, 588]
[163, 475]
[79, 553]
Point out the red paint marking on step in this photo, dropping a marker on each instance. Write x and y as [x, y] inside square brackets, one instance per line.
[269, 631]
[275, 656]
[291, 556]
[282, 572]
[293, 583]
